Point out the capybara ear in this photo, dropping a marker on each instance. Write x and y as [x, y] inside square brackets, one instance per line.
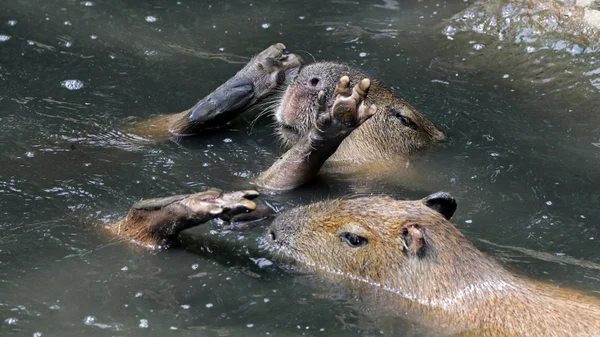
[414, 239]
[442, 203]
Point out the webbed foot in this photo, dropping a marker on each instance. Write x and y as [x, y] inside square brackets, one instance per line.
[348, 111]
[156, 222]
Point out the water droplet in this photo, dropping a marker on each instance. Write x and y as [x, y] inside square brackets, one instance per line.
[185, 306]
[478, 46]
[72, 84]
[37, 334]
[195, 266]
[4, 38]
[549, 203]
[143, 323]
[150, 52]
[87, 3]
[150, 18]
[221, 49]
[449, 31]
[266, 300]
[138, 294]
[209, 305]
[29, 154]
[301, 17]
[250, 325]
[67, 23]
[125, 268]
[362, 54]
[11, 321]
[266, 25]
[11, 22]
[93, 37]
[172, 328]
[530, 49]
[329, 29]
[468, 221]
[506, 76]
[89, 320]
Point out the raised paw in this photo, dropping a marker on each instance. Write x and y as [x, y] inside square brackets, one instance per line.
[348, 109]
[271, 68]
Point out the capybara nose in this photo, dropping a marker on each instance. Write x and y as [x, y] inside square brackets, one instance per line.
[272, 236]
[314, 82]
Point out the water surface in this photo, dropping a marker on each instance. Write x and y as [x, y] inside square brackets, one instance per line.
[522, 158]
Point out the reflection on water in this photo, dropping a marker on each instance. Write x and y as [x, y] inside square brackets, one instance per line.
[521, 158]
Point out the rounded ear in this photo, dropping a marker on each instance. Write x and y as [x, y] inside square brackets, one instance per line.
[414, 239]
[442, 203]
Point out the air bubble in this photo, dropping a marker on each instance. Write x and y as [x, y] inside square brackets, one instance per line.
[266, 25]
[11, 22]
[89, 320]
[362, 54]
[4, 38]
[143, 323]
[11, 321]
[150, 18]
[87, 3]
[72, 84]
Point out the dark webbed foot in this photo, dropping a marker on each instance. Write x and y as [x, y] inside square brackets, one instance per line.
[156, 222]
[266, 73]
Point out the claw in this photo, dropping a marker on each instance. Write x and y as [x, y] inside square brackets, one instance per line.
[365, 113]
[359, 92]
[321, 100]
[342, 88]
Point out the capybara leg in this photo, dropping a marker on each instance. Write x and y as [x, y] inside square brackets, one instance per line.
[157, 222]
[265, 74]
[304, 160]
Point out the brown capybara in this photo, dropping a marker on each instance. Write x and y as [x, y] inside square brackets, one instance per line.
[396, 131]
[382, 144]
[422, 267]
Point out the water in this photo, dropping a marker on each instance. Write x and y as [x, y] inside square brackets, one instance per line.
[521, 159]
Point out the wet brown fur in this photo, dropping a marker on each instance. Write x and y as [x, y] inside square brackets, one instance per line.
[380, 138]
[150, 229]
[452, 287]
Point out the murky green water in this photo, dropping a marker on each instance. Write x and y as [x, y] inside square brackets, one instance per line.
[521, 159]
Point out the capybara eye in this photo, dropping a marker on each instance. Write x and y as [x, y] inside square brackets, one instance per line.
[314, 81]
[353, 240]
[405, 120]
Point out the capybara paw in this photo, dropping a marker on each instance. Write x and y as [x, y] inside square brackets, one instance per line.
[348, 111]
[276, 64]
[216, 204]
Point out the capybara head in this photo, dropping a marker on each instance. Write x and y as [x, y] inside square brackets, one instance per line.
[375, 239]
[398, 127]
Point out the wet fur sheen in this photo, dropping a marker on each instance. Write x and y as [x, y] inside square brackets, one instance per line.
[452, 287]
[381, 137]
